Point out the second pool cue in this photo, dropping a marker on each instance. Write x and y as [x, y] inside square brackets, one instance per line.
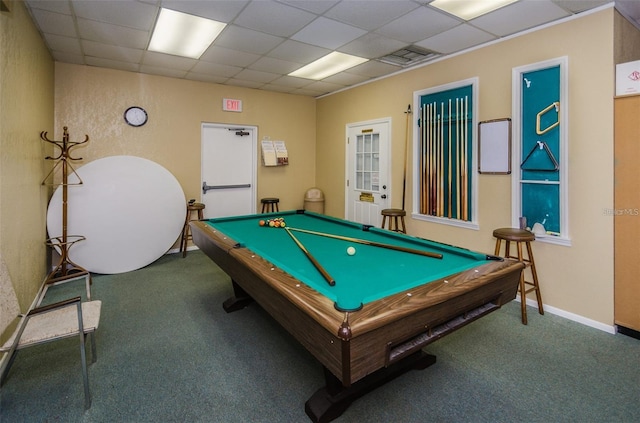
[313, 260]
[371, 243]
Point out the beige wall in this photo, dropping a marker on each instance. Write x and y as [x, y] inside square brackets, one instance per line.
[26, 109]
[576, 279]
[92, 101]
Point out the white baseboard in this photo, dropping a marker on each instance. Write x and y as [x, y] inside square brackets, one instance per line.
[571, 316]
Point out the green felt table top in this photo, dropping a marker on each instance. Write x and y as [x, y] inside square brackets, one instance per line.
[370, 274]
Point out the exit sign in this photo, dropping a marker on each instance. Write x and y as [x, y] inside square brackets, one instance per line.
[231, 105]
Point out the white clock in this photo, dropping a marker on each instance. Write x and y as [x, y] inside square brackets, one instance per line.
[135, 116]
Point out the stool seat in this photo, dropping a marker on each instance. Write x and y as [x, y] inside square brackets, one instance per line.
[270, 204]
[396, 219]
[186, 230]
[521, 236]
[514, 234]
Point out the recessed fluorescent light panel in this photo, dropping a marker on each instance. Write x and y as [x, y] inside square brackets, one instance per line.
[184, 35]
[469, 9]
[328, 65]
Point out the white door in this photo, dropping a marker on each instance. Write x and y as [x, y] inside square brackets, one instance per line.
[228, 170]
[368, 182]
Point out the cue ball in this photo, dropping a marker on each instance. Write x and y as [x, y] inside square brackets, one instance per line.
[351, 251]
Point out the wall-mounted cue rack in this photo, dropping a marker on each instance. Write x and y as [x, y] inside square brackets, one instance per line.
[446, 145]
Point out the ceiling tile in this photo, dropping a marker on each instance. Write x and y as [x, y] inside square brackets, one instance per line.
[112, 64]
[208, 68]
[459, 38]
[372, 46]
[374, 69]
[247, 40]
[274, 18]
[269, 64]
[364, 14]
[328, 33]
[225, 56]
[244, 83]
[115, 34]
[308, 92]
[152, 58]
[123, 54]
[51, 6]
[420, 24]
[218, 10]
[277, 88]
[315, 6]
[519, 16]
[112, 34]
[323, 87]
[291, 81]
[54, 23]
[63, 44]
[254, 75]
[298, 52]
[68, 58]
[582, 5]
[135, 15]
[346, 79]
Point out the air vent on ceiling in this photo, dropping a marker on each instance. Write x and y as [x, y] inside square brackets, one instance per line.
[409, 56]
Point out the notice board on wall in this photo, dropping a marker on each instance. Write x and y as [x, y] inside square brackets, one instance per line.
[494, 142]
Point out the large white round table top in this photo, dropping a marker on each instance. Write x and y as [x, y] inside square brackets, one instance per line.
[129, 209]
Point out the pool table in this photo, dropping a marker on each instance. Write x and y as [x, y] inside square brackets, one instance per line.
[390, 299]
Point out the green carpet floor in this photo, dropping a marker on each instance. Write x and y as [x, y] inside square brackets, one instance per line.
[167, 352]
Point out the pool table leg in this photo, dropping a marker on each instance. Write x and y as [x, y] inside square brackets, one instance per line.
[239, 300]
[330, 401]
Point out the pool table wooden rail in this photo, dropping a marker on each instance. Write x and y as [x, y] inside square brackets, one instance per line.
[383, 331]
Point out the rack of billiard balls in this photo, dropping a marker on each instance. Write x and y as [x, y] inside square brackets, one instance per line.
[276, 222]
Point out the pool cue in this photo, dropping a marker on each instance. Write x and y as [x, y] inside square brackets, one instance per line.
[431, 164]
[465, 189]
[434, 160]
[313, 260]
[449, 170]
[406, 153]
[425, 135]
[457, 158]
[423, 160]
[425, 147]
[371, 243]
[441, 174]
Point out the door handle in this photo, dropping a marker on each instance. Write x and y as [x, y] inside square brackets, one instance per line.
[206, 187]
[383, 196]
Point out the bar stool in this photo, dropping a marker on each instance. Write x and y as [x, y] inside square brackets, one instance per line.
[396, 219]
[270, 204]
[520, 236]
[186, 230]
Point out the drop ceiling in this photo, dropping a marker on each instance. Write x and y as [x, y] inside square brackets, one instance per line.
[265, 40]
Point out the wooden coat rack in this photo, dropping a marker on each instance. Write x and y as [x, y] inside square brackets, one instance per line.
[65, 269]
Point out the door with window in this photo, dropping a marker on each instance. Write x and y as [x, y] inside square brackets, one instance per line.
[368, 182]
[228, 170]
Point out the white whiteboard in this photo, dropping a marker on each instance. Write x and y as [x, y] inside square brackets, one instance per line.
[494, 139]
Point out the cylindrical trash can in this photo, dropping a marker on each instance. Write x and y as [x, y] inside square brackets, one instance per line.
[314, 200]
